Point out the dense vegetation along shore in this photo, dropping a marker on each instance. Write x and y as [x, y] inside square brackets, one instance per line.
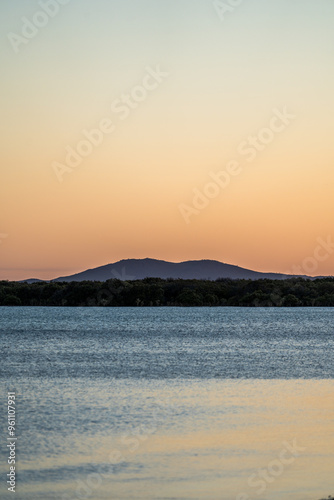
[294, 292]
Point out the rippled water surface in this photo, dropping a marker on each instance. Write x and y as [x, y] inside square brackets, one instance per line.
[170, 403]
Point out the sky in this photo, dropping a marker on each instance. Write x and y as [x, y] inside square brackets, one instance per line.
[170, 129]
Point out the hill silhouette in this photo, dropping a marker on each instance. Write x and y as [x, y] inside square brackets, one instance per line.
[136, 269]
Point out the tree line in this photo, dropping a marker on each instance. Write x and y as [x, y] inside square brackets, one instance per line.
[293, 292]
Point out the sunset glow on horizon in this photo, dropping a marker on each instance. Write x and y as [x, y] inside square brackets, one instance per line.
[165, 129]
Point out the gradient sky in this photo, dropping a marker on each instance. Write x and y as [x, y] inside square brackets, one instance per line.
[225, 77]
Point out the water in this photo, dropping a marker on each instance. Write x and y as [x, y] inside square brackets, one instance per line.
[170, 403]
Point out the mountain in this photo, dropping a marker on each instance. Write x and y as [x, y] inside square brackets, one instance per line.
[134, 269]
[32, 280]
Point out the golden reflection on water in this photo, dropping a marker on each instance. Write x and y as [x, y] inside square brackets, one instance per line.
[244, 428]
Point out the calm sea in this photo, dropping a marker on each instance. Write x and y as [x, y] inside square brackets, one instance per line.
[169, 403]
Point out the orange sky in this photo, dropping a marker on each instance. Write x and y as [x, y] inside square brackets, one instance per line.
[187, 93]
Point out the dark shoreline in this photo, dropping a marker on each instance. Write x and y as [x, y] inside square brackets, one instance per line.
[157, 292]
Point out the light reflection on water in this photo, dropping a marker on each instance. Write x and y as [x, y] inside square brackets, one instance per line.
[100, 436]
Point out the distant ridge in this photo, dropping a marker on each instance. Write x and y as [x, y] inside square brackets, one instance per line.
[32, 280]
[136, 269]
